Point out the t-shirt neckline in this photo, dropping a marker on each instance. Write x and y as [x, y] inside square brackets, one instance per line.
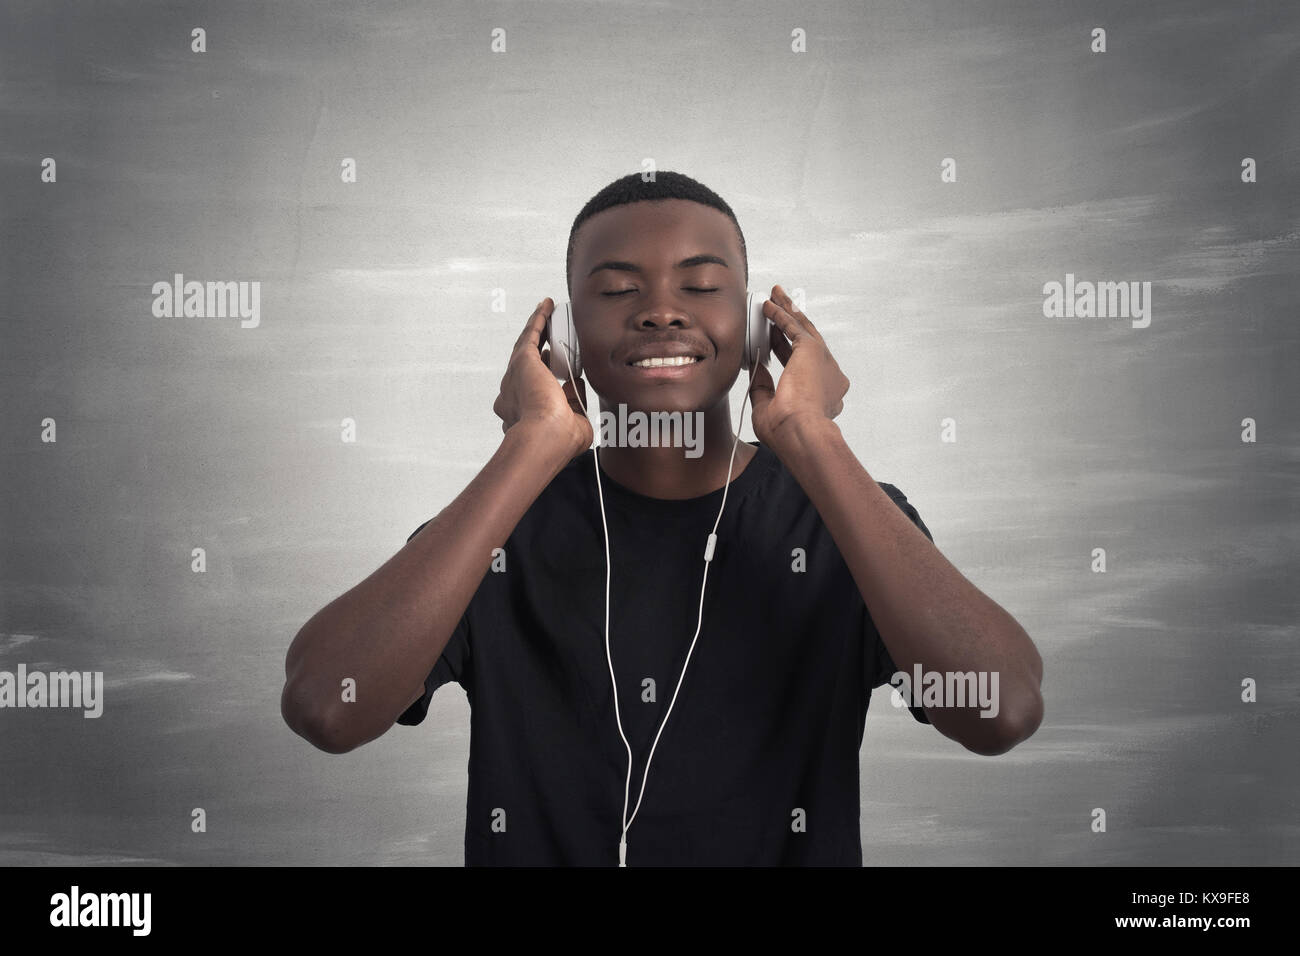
[741, 485]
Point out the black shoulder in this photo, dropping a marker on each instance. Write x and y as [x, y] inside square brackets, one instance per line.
[905, 506]
[568, 476]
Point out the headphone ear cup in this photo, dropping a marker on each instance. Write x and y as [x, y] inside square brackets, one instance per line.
[563, 339]
[757, 340]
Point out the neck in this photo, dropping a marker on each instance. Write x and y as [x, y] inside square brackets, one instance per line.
[667, 472]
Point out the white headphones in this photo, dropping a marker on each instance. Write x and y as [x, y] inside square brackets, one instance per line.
[563, 339]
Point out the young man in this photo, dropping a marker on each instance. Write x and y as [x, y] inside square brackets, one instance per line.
[742, 690]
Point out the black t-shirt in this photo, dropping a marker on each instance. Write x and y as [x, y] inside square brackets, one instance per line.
[758, 763]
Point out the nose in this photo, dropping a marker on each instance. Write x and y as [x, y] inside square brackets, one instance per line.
[661, 313]
[660, 320]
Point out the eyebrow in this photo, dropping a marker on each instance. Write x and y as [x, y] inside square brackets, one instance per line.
[688, 263]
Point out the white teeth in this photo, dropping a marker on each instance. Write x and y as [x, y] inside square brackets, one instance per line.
[673, 360]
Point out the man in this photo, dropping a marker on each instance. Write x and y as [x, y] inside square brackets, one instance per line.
[742, 681]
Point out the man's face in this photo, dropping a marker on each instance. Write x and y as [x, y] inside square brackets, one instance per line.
[659, 279]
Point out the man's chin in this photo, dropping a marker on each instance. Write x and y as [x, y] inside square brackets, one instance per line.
[666, 397]
[651, 405]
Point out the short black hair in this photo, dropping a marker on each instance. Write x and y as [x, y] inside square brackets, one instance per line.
[633, 188]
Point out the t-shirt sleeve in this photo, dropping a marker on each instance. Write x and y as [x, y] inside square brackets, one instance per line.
[449, 667]
[880, 664]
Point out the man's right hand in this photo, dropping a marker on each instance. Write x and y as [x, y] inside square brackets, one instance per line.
[530, 395]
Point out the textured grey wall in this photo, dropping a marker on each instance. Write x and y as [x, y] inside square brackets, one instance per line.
[377, 305]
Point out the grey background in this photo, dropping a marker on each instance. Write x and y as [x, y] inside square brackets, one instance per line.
[377, 305]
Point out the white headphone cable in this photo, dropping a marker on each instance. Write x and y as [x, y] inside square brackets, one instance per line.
[708, 558]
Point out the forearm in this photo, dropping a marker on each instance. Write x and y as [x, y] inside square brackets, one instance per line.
[388, 631]
[926, 610]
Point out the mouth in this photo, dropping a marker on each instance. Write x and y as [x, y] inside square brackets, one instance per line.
[665, 368]
[667, 361]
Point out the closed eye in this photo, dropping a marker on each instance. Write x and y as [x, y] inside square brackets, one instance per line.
[626, 291]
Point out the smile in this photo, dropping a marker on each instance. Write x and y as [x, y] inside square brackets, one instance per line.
[669, 361]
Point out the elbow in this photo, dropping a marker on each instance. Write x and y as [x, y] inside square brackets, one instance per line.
[1020, 713]
[313, 725]
[1016, 722]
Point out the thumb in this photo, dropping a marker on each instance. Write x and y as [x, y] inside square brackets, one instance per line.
[761, 390]
[576, 393]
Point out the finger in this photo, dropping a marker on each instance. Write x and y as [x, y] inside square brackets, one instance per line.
[787, 303]
[786, 322]
[780, 347]
[536, 324]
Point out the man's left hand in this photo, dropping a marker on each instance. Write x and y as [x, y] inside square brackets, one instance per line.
[812, 387]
